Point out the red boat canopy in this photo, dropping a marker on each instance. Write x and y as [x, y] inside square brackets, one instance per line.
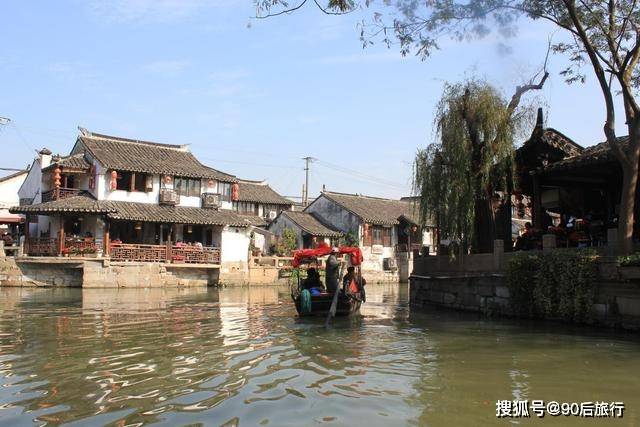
[355, 255]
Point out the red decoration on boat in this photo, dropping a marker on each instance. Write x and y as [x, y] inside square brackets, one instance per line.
[235, 190]
[355, 255]
[114, 180]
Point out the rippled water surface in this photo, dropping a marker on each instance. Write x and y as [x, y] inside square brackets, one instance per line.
[239, 356]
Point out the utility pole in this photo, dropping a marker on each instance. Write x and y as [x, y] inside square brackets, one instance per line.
[305, 193]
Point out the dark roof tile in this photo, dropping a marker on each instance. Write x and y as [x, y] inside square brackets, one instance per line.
[311, 224]
[260, 193]
[375, 210]
[148, 157]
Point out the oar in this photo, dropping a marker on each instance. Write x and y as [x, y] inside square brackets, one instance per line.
[334, 301]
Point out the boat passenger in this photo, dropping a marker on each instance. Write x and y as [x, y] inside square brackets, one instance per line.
[350, 281]
[332, 271]
[312, 280]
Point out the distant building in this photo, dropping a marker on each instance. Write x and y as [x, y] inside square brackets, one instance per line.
[387, 230]
[256, 198]
[9, 186]
[309, 229]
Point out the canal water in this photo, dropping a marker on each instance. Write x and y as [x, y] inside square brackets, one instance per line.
[239, 356]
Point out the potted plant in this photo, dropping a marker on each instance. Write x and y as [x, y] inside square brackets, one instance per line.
[630, 266]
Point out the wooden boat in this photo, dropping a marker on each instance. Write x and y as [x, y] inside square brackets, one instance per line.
[320, 305]
[348, 300]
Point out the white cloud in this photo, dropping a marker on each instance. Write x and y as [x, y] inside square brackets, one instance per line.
[166, 68]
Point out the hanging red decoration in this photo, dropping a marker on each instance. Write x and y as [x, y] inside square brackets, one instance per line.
[235, 189]
[167, 179]
[113, 185]
[56, 177]
[414, 228]
[211, 183]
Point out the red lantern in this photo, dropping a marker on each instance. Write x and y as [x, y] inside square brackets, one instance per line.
[211, 183]
[167, 179]
[235, 189]
[414, 228]
[56, 177]
[114, 181]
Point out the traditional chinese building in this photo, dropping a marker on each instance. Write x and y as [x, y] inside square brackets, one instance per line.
[386, 230]
[310, 230]
[139, 201]
[565, 179]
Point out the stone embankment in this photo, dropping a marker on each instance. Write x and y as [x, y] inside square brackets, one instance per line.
[479, 283]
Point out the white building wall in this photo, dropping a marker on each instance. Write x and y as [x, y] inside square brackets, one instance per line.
[235, 244]
[30, 187]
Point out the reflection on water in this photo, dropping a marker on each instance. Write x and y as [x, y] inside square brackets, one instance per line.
[239, 356]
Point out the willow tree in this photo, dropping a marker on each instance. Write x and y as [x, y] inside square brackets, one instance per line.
[458, 176]
[602, 35]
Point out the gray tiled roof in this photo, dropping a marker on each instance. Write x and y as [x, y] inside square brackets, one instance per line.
[311, 224]
[130, 211]
[597, 154]
[74, 161]
[375, 210]
[148, 212]
[148, 157]
[82, 203]
[260, 193]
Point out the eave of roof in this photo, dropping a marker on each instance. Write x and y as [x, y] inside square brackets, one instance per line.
[311, 224]
[148, 157]
[14, 175]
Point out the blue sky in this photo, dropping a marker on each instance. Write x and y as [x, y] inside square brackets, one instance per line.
[251, 101]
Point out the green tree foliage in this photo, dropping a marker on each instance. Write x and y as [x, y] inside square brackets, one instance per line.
[287, 243]
[554, 285]
[456, 177]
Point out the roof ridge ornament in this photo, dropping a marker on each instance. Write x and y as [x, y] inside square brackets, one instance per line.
[83, 131]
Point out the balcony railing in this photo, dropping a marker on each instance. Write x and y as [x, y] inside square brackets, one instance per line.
[59, 193]
[42, 246]
[126, 252]
[195, 255]
[138, 253]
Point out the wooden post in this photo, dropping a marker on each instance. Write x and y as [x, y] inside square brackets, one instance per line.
[537, 202]
[2, 253]
[27, 222]
[168, 250]
[106, 237]
[61, 238]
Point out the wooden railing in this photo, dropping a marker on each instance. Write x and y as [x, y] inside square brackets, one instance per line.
[162, 253]
[59, 193]
[195, 255]
[42, 246]
[138, 253]
[404, 247]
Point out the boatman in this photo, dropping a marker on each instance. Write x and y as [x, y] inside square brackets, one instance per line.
[332, 272]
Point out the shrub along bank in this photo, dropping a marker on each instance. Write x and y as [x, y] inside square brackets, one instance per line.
[553, 285]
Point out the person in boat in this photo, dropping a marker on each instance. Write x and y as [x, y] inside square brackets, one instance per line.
[350, 282]
[332, 271]
[312, 280]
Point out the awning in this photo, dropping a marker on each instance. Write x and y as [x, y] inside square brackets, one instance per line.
[9, 218]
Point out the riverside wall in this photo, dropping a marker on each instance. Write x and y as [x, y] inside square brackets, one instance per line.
[478, 284]
[101, 273]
